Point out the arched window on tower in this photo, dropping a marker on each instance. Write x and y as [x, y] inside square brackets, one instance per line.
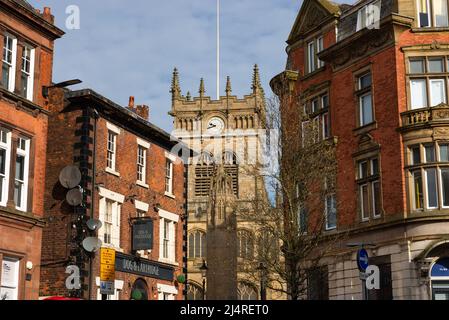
[246, 291]
[230, 162]
[197, 244]
[203, 173]
[245, 245]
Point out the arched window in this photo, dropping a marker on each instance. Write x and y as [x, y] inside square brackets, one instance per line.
[194, 292]
[230, 162]
[197, 244]
[246, 291]
[203, 174]
[268, 246]
[139, 290]
[245, 245]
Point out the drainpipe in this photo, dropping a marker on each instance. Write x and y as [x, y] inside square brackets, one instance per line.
[92, 206]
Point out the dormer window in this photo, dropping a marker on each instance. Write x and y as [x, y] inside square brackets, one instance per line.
[368, 16]
[432, 13]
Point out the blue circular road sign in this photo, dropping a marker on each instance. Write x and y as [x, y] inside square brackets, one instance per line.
[362, 260]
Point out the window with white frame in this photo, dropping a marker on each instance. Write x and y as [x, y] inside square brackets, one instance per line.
[368, 180]
[9, 62]
[21, 174]
[27, 72]
[429, 176]
[313, 48]
[141, 164]
[432, 13]
[110, 215]
[111, 150]
[169, 177]
[166, 292]
[9, 279]
[428, 81]
[167, 236]
[368, 16]
[5, 158]
[364, 94]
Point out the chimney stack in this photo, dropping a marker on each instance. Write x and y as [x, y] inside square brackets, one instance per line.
[47, 15]
[143, 111]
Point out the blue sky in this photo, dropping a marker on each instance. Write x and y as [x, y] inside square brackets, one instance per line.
[126, 48]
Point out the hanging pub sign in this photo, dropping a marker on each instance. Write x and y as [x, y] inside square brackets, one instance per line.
[142, 234]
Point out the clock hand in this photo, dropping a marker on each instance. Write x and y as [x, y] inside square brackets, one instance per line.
[212, 126]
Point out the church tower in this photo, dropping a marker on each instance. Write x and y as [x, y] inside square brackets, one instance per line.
[226, 134]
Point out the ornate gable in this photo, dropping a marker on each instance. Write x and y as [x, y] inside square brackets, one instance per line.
[312, 14]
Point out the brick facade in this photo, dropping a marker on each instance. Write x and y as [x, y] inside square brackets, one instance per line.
[76, 123]
[401, 234]
[25, 117]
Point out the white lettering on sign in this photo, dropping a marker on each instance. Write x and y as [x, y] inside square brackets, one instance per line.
[140, 267]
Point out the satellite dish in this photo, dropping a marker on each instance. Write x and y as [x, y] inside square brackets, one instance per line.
[94, 224]
[92, 244]
[74, 197]
[70, 177]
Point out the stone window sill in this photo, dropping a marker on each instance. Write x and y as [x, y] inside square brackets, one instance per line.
[142, 184]
[113, 172]
[365, 129]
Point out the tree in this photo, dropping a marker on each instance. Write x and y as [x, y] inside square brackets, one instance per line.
[294, 219]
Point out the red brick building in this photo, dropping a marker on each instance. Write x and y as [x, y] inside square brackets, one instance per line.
[375, 76]
[129, 172]
[27, 38]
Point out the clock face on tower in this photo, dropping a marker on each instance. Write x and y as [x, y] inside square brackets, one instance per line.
[215, 125]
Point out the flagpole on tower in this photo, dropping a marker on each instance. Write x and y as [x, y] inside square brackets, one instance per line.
[218, 49]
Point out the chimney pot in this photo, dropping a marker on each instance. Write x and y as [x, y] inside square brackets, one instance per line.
[131, 102]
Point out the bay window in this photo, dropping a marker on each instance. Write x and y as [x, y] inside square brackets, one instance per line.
[432, 13]
[428, 81]
[429, 189]
[9, 62]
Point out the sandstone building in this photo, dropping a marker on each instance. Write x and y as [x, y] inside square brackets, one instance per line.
[226, 135]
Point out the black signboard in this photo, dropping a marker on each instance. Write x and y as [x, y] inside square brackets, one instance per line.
[142, 234]
[142, 267]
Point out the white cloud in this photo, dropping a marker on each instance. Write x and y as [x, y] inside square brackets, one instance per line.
[130, 47]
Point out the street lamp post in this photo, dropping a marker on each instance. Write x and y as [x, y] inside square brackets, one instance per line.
[262, 273]
[203, 270]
